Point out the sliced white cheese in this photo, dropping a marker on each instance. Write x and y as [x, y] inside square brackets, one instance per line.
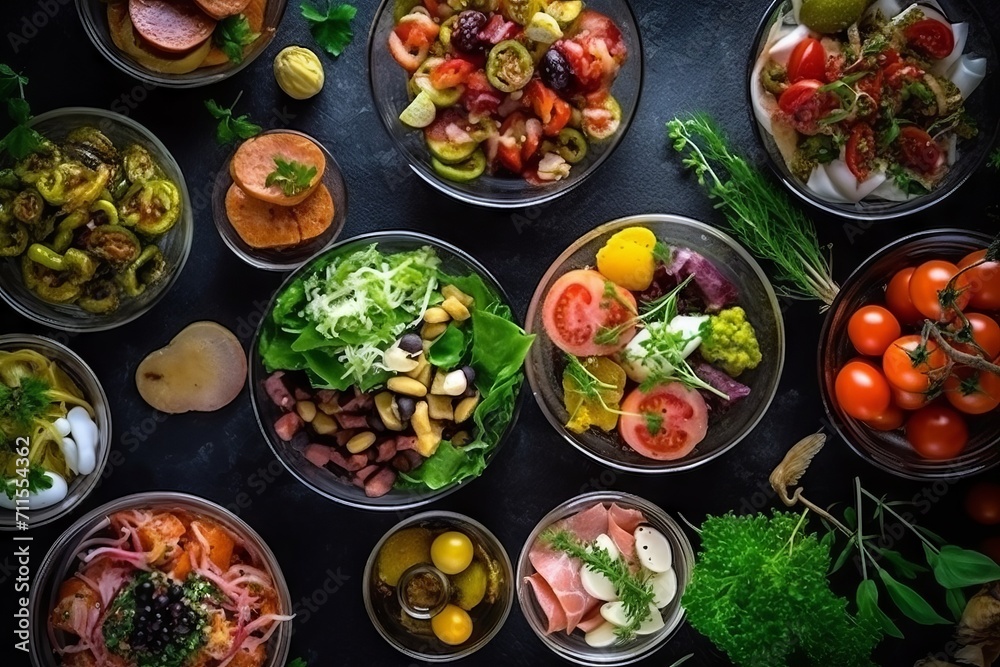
[967, 73]
[846, 183]
[601, 636]
[653, 623]
[664, 587]
[819, 184]
[783, 48]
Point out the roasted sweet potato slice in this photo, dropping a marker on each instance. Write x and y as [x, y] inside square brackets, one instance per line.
[255, 14]
[73, 594]
[220, 542]
[220, 9]
[254, 160]
[264, 225]
[174, 26]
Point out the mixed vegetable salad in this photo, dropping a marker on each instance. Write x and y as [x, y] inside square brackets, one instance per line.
[518, 88]
[166, 588]
[929, 359]
[869, 104]
[48, 436]
[391, 371]
[83, 217]
[653, 337]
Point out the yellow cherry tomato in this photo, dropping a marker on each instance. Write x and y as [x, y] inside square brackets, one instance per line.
[627, 258]
[451, 552]
[453, 625]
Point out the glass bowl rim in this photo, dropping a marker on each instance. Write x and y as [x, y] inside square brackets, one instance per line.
[418, 238]
[448, 516]
[526, 199]
[921, 203]
[558, 264]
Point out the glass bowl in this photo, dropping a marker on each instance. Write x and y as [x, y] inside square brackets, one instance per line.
[93, 15]
[573, 647]
[61, 560]
[389, 90]
[890, 451]
[980, 105]
[291, 258]
[85, 378]
[545, 360]
[175, 244]
[321, 480]
[381, 609]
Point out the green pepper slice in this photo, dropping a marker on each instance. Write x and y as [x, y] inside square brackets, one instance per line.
[13, 238]
[76, 266]
[38, 164]
[149, 268]
[113, 244]
[139, 165]
[28, 206]
[67, 229]
[100, 297]
[571, 145]
[509, 66]
[49, 285]
[72, 184]
[152, 207]
[464, 171]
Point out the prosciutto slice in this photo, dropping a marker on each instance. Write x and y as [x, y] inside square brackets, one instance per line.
[549, 603]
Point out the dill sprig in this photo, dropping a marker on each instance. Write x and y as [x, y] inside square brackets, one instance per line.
[24, 403]
[633, 590]
[759, 215]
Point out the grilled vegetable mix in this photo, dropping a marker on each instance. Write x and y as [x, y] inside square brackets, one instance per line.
[517, 88]
[401, 374]
[665, 320]
[83, 217]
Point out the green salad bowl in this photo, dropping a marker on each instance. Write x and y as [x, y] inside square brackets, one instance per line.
[344, 485]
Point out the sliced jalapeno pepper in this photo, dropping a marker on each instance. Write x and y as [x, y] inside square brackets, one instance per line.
[13, 238]
[39, 163]
[76, 266]
[113, 244]
[28, 206]
[463, 172]
[107, 208]
[509, 66]
[67, 228]
[521, 11]
[149, 268]
[571, 145]
[72, 185]
[100, 297]
[139, 165]
[49, 285]
[152, 207]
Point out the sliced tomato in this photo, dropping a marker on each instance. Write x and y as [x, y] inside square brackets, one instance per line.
[899, 73]
[588, 74]
[540, 98]
[587, 315]
[562, 112]
[520, 137]
[665, 423]
[932, 38]
[451, 73]
[509, 154]
[919, 151]
[805, 105]
[871, 86]
[808, 61]
[860, 152]
[479, 97]
[887, 57]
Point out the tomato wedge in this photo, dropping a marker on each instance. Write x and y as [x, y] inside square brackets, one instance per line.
[860, 152]
[665, 423]
[520, 137]
[451, 73]
[808, 61]
[932, 38]
[805, 105]
[587, 315]
[919, 151]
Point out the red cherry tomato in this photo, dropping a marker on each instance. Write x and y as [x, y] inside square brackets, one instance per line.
[919, 151]
[982, 503]
[973, 392]
[889, 420]
[937, 432]
[451, 73]
[665, 423]
[808, 61]
[860, 151]
[986, 333]
[805, 105]
[577, 309]
[897, 298]
[908, 363]
[984, 281]
[908, 400]
[932, 38]
[926, 284]
[872, 329]
[862, 391]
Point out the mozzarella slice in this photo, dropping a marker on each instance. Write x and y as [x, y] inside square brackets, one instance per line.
[967, 73]
[636, 359]
[614, 613]
[653, 549]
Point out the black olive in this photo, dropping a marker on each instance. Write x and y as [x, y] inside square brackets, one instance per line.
[176, 609]
[470, 374]
[375, 423]
[405, 406]
[182, 629]
[555, 70]
[411, 343]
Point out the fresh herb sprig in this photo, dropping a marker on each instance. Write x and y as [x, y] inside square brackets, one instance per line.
[24, 403]
[634, 591]
[231, 128]
[21, 140]
[37, 481]
[291, 176]
[759, 215]
[994, 160]
[330, 26]
[232, 34]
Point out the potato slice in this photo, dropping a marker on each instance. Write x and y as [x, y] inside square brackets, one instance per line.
[202, 369]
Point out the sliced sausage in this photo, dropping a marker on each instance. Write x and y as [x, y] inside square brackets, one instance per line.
[287, 426]
[380, 483]
[318, 455]
[220, 9]
[275, 387]
[386, 450]
[254, 161]
[174, 26]
[351, 420]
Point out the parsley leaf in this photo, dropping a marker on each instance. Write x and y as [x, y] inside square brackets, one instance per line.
[37, 481]
[21, 140]
[292, 177]
[231, 128]
[24, 403]
[331, 28]
[232, 34]
[995, 158]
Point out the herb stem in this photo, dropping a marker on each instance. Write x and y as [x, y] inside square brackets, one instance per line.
[861, 539]
[906, 523]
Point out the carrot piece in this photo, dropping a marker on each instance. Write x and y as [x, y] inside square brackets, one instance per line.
[220, 542]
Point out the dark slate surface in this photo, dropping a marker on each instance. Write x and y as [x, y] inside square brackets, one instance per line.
[696, 56]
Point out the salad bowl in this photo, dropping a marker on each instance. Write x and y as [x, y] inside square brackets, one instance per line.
[899, 193]
[450, 461]
[390, 92]
[547, 362]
